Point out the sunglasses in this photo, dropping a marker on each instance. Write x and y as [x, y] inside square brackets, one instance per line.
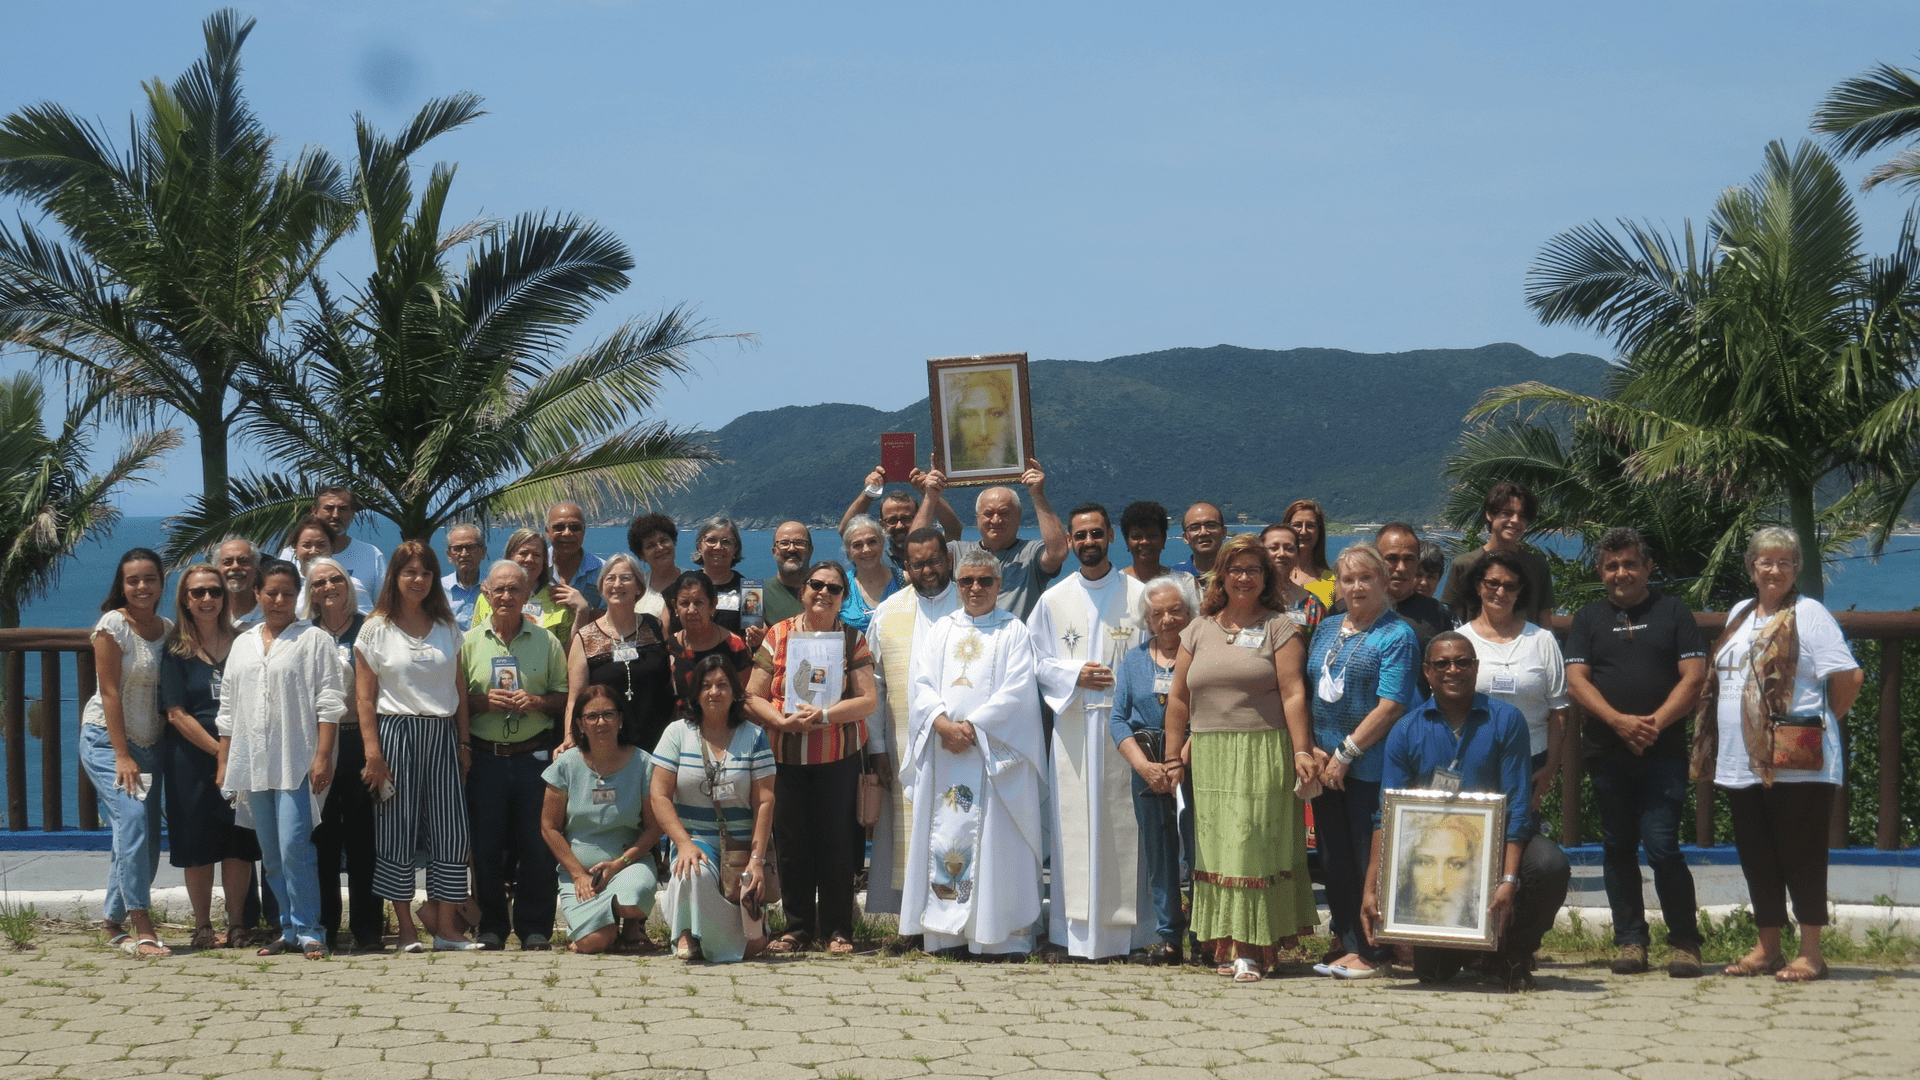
[326, 582]
[566, 526]
[206, 592]
[828, 587]
[976, 582]
[1467, 664]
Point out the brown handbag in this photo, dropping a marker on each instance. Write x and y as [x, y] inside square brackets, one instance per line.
[1799, 742]
[736, 857]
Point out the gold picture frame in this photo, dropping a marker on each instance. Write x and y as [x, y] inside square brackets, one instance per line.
[1440, 859]
[982, 418]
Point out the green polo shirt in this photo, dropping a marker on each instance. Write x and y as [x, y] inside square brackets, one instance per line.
[781, 603]
[540, 666]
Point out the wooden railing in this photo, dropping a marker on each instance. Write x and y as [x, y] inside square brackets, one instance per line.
[14, 647]
[1892, 629]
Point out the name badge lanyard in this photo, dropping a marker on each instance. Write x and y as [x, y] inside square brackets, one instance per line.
[1448, 779]
[626, 654]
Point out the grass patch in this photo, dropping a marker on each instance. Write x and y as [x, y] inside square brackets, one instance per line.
[1733, 936]
[18, 922]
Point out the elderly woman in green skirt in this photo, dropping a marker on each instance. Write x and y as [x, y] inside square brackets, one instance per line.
[1239, 688]
[596, 824]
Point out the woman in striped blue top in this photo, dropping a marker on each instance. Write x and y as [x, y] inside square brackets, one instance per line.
[713, 773]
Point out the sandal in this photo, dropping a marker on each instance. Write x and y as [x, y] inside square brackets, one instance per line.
[204, 937]
[1748, 966]
[314, 950]
[140, 948]
[1225, 969]
[839, 946]
[1245, 971]
[273, 948]
[788, 943]
[1801, 969]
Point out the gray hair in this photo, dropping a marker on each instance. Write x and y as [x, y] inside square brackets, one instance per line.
[978, 556]
[253, 549]
[308, 609]
[716, 524]
[1620, 538]
[1774, 538]
[615, 559]
[458, 525]
[1362, 554]
[1161, 584]
[858, 522]
[525, 578]
[1433, 560]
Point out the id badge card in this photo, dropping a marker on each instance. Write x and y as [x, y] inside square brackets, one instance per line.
[1251, 638]
[1445, 779]
[625, 653]
[604, 796]
[1504, 684]
[532, 611]
[1163, 685]
[214, 686]
[729, 601]
[723, 792]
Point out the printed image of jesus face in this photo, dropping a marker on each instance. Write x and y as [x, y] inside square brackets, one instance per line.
[980, 420]
[1438, 884]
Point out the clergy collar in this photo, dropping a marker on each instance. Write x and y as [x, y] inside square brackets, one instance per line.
[1100, 582]
[991, 618]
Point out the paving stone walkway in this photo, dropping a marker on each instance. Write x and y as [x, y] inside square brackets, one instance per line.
[75, 1009]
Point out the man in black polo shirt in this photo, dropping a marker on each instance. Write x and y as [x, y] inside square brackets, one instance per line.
[1635, 665]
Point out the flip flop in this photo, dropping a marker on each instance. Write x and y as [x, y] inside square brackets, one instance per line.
[840, 946]
[1745, 968]
[132, 948]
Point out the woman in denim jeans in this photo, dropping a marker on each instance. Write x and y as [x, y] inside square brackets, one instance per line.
[120, 731]
[1140, 689]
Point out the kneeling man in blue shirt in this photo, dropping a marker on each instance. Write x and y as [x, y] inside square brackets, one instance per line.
[1483, 742]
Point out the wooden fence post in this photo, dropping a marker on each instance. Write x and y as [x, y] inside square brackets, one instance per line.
[1887, 836]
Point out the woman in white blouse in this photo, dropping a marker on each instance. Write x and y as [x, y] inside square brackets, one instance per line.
[412, 705]
[1768, 734]
[120, 730]
[1520, 663]
[281, 700]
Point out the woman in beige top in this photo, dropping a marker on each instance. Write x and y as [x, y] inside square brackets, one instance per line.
[1239, 686]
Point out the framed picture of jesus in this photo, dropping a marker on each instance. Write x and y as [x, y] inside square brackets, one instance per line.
[982, 417]
[1440, 859]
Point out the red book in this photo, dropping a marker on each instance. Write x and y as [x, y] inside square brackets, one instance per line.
[897, 455]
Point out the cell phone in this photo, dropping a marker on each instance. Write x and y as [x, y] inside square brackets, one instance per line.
[146, 785]
[385, 792]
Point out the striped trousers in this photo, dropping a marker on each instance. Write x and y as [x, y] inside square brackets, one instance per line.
[428, 809]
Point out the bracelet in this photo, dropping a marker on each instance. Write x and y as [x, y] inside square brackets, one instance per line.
[756, 858]
[874, 492]
[1341, 755]
[1510, 879]
[624, 861]
[1302, 753]
[1352, 747]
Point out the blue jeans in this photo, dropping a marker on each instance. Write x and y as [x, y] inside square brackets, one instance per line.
[1160, 860]
[1343, 825]
[135, 823]
[504, 799]
[1641, 800]
[284, 822]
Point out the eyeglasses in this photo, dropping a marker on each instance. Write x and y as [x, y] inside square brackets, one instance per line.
[1246, 571]
[927, 564]
[976, 582]
[565, 526]
[1203, 526]
[593, 717]
[1774, 565]
[462, 549]
[327, 582]
[828, 587]
[1466, 664]
[897, 519]
[206, 592]
[506, 590]
[1499, 585]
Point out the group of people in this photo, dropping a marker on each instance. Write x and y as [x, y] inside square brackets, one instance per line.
[1087, 761]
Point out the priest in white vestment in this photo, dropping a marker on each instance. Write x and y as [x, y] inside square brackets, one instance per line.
[899, 621]
[974, 768]
[1101, 905]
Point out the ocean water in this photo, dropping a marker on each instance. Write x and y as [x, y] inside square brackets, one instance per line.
[1891, 583]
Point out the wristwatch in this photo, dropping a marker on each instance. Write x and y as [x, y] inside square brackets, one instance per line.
[1510, 879]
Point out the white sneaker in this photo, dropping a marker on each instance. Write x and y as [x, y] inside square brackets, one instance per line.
[441, 944]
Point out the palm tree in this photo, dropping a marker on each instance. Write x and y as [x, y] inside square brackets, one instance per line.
[1869, 111]
[438, 390]
[48, 501]
[1582, 476]
[181, 254]
[1753, 360]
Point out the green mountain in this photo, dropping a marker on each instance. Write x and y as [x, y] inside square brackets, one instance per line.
[1249, 429]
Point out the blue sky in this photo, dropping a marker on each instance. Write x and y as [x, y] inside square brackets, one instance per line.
[863, 186]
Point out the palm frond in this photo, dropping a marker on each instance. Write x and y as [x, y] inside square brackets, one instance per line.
[1870, 110]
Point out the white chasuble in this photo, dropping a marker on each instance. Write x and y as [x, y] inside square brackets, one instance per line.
[897, 623]
[973, 862]
[1099, 896]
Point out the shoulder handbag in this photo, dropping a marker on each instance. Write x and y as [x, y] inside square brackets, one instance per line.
[735, 856]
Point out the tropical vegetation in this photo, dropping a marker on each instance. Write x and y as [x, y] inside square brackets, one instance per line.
[1757, 361]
